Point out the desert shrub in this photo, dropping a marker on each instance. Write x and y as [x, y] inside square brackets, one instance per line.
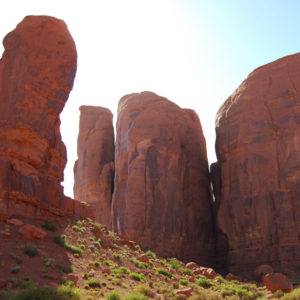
[137, 277]
[66, 269]
[108, 262]
[135, 296]
[92, 282]
[187, 272]
[117, 256]
[124, 270]
[14, 269]
[49, 226]
[142, 289]
[151, 254]
[163, 262]
[16, 258]
[114, 295]
[96, 263]
[49, 261]
[184, 281]
[164, 272]
[205, 283]
[174, 263]
[30, 250]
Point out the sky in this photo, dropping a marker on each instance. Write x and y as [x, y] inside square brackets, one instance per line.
[193, 52]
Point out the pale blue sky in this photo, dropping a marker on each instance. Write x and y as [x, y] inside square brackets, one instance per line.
[194, 52]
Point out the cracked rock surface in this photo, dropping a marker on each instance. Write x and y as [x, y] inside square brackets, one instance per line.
[258, 150]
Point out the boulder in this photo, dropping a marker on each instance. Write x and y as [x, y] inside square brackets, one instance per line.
[32, 232]
[162, 194]
[256, 179]
[143, 258]
[209, 273]
[192, 265]
[187, 292]
[277, 281]
[262, 270]
[231, 276]
[15, 222]
[94, 169]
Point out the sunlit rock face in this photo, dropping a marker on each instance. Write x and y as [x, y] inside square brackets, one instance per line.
[36, 75]
[162, 197]
[94, 169]
[258, 150]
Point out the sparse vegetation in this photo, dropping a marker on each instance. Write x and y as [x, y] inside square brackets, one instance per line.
[115, 271]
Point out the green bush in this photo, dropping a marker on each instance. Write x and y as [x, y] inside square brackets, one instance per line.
[117, 256]
[137, 277]
[205, 283]
[142, 289]
[114, 295]
[151, 254]
[14, 269]
[30, 250]
[135, 296]
[49, 226]
[164, 272]
[174, 263]
[66, 269]
[92, 282]
[184, 281]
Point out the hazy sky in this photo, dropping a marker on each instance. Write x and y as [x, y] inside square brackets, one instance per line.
[193, 52]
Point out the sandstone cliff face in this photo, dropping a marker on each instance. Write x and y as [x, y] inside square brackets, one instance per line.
[162, 195]
[258, 150]
[36, 75]
[94, 169]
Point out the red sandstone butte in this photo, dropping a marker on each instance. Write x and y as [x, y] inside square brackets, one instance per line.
[37, 71]
[162, 195]
[94, 169]
[258, 151]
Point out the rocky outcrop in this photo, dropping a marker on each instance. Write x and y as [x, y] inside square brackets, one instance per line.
[258, 147]
[162, 197]
[36, 75]
[94, 169]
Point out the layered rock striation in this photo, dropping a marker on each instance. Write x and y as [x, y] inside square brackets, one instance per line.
[36, 75]
[162, 196]
[94, 169]
[257, 178]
